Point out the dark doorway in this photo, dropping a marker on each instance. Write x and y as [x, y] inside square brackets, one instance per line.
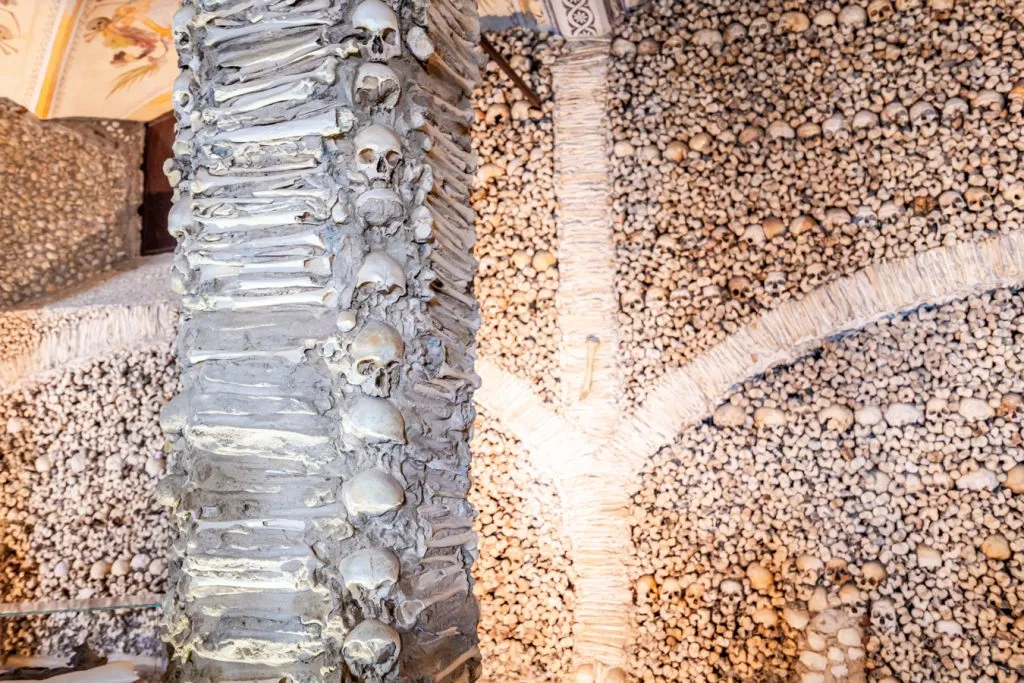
[156, 200]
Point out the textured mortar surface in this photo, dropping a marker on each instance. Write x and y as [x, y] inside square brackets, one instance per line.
[697, 256]
[793, 486]
[69, 198]
[514, 199]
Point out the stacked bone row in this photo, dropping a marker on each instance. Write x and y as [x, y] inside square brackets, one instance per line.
[318, 468]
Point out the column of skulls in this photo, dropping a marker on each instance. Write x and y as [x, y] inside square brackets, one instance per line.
[319, 458]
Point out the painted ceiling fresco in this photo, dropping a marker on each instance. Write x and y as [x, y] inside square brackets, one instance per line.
[114, 58]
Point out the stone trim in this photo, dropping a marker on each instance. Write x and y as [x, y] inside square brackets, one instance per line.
[582, 19]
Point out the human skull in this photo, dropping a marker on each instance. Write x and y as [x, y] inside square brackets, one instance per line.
[874, 573]
[375, 353]
[865, 119]
[671, 589]
[730, 592]
[793, 22]
[895, 114]
[883, 615]
[646, 588]
[834, 125]
[376, 85]
[853, 16]
[888, 211]
[379, 206]
[375, 420]
[382, 272]
[837, 218]
[371, 649]
[802, 224]
[586, 673]
[753, 236]
[369, 569]
[780, 130]
[182, 97]
[739, 287]
[951, 202]
[806, 131]
[954, 110]
[1014, 195]
[775, 282]
[907, 5]
[707, 37]
[378, 36]
[751, 134]
[735, 32]
[865, 218]
[759, 28]
[824, 19]
[990, 103]
[978, 199]
[942, 10]
[837, 571]
[879, 11]
[924, 118]
[378, 154]
[181, 27]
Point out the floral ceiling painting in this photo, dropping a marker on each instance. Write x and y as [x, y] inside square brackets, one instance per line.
[98, 58]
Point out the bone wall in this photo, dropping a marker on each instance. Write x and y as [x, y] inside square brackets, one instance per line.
[82, 452]
[514, 199]
[860, 512]
[524, 579]
[763, 149]
[69, 199]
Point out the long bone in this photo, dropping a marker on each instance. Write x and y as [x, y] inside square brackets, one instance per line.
[325, 72]
[315, 204]
[332, 122]
[210, 269]
[303, 238]
[215, 35]
[322, 296]
[261, 283]
[259, 108]
[206, 181]
[216, 16]
[220, 167]
[283, 50]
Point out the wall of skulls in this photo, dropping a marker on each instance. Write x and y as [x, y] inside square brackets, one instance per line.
[860, 512]
[70, 194]
[764, 148]
[514, 199]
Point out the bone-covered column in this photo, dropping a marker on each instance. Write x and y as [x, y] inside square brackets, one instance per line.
[319, 458]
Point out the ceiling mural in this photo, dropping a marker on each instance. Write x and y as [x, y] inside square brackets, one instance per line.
[115, 58]
[97, 58]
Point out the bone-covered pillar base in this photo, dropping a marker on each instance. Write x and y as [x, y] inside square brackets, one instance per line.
[319, 459]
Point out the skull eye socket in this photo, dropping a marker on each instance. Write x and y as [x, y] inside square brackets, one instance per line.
[393, 157]
[366, 155]
[388, 35]
[367, 367]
